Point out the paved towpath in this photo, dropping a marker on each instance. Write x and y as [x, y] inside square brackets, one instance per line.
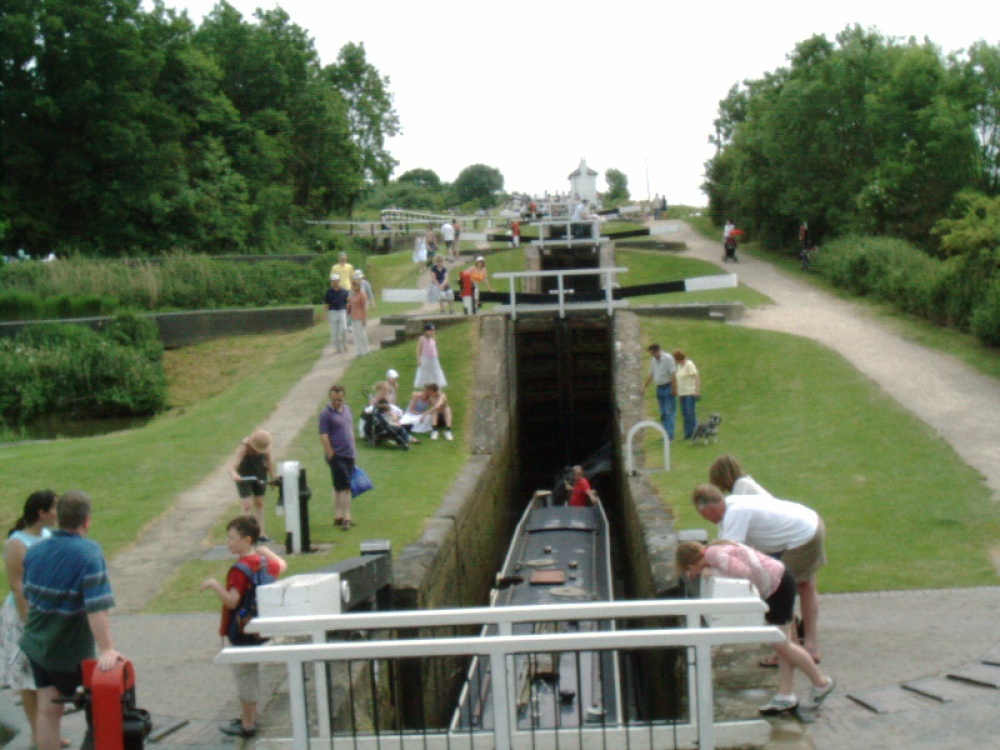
[961, 404]
[875, 642]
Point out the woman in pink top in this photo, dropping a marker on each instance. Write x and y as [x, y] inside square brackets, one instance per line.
[357, 310]
[777, 588]
[428, 365]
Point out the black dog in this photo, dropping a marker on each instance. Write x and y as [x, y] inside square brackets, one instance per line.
[707, 432]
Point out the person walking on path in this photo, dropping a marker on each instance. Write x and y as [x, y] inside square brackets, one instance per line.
[336, 434]
[776, 587]
[359, 276]
[33, 526]
[687, 386]
[428, 365]
[776, 527]
[661, 371]
[448, 235]
[336, 311]
[69, 602]
[357, 310]
[243, 539]
[343, 269]
[439, 289]
[251, 470]
[458, 236]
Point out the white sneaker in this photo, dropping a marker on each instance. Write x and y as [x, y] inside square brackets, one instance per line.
[434, 435]
[820, 694]
[448, 435]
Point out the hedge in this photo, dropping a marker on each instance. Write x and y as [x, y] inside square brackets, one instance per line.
[960, 292]
[74, 372]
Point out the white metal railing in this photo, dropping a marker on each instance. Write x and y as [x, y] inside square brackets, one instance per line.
[630, 469]
[608, 274]
[569, 232]
[497, 648]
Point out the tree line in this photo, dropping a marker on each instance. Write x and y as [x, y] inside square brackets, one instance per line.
[864, 134]
[126, 131]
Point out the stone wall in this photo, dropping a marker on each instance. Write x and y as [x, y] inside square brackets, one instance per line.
[454, 562]
[178, 329]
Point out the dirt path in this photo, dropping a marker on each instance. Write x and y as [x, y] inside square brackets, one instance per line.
[962, 405]
[179, 535]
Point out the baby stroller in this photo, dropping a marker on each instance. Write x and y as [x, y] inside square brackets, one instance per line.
[730, 244]
[730, 247]
[378, 429]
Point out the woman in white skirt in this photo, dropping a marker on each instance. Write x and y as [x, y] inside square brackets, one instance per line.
[428, 366]
[15, 672]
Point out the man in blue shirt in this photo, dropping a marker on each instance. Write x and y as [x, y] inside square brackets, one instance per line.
[336, 433]
[69, 602]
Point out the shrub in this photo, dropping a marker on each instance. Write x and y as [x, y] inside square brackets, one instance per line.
[72, 371]
[959, 292]
[986, 317]
[16, 304]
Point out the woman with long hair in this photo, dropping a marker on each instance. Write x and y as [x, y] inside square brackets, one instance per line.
[32, 527]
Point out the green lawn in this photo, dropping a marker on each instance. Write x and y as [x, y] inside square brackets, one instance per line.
[133, 476]
[901, 509]
[409, 485]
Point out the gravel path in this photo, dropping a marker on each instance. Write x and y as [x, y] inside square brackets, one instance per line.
[961, 404]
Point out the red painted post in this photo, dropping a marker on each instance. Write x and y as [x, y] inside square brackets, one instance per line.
[106, 692]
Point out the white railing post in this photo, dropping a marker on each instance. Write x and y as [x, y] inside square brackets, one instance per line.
[503, 705]
[706, 710]
[297, 705]
[562, 299]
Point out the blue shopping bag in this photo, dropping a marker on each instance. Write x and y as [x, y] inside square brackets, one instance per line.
[360, 482]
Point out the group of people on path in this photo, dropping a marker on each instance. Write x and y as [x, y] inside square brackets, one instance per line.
[676, 378]
[349, 298]
[777, 545]
[471, 280]
[425, 248]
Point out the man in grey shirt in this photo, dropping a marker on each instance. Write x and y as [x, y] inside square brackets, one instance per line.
[661, 370]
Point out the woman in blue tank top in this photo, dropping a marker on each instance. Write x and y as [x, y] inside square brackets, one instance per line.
[31, 528]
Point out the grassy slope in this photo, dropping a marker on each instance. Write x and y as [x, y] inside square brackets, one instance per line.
[134, 475]
[409, 484]
[902, 511]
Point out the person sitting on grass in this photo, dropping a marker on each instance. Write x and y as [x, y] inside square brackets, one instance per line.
[429, 411]
[242, 538]
[776, 587]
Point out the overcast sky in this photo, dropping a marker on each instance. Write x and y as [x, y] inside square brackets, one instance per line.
[531, 88]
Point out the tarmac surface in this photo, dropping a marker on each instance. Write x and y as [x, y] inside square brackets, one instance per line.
[873, 643]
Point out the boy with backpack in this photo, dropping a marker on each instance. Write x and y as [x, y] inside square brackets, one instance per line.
[256, 566]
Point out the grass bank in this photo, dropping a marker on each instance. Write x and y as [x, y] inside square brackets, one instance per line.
[409, 485]
[901, 509]
[134, 476]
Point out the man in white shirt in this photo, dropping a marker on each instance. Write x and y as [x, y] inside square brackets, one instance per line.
[661, 371]
[448, 235]
[789, 531]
